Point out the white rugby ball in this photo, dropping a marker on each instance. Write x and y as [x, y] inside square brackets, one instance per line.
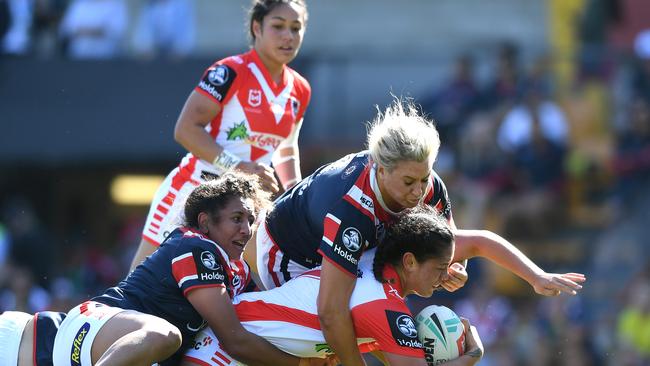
[442, 334]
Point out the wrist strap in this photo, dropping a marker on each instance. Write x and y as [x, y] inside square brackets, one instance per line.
[225, 161]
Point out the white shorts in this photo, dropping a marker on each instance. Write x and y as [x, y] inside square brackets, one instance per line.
[12, 326]
[75, 337]
[273, 268]
[206, 350]
[166, 212]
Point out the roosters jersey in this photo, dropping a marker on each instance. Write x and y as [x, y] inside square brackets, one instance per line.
[336, 213]
[185, 261]
[256, 113]
[287, 316]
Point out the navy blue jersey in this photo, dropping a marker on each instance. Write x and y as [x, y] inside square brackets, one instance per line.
[335, 213]
[186, 260]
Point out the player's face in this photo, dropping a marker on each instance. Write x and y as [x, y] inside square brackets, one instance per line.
[279, 37]
[428, 275]
[406, 185]
[233, 226]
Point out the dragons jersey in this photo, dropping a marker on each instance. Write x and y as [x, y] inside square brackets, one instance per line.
[287, 316]
[185, 261]
[335, 213]
[256, 113]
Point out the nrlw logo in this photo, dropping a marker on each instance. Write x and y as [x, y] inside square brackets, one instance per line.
[75, 353]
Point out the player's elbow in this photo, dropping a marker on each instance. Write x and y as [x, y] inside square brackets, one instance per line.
[329, 316]
[235, 345]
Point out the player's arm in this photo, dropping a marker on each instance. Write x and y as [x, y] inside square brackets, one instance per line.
[483, 243]
[190, 132]
[457, 272]
[215, 306]
[334, 313]
[286, 159]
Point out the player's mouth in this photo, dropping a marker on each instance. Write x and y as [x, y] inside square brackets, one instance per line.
[241, 244]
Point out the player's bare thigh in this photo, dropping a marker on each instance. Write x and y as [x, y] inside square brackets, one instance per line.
[26, 350]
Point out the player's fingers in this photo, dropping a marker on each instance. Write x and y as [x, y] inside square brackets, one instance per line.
[575, 277]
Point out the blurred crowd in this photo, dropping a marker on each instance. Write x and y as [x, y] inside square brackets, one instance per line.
[97, 29]
[564, 173]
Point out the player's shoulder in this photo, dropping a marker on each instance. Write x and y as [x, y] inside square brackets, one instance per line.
[300, 82]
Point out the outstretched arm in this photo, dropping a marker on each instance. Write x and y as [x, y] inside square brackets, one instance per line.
[483, 243]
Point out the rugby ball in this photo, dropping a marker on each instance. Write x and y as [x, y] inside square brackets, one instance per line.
[442, 334]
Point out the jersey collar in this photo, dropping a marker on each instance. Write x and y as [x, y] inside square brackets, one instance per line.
[393, 284]
[269, 80]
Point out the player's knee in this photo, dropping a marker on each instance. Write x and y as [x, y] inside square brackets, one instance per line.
[163, 338]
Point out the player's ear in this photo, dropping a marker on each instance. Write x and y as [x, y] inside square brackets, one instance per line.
[409, 262]
[257, 29]
[204, 220]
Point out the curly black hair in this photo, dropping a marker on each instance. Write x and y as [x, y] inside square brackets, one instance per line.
[213, 195]
[421, 231]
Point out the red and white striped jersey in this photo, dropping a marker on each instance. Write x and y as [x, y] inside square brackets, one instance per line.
[287, 317]
[257, 114]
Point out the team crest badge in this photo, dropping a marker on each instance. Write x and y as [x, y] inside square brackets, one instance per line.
[254, 97]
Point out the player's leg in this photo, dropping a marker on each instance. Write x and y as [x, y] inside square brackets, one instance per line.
[96, 334]
[12, 327]
[165, 213]
[133, 338]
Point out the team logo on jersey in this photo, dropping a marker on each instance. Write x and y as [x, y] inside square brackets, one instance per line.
[218, 76]
[295, 107]
[351, 238]
[236, 281]
[209, 261]
[349, 170]
[403, 329]
[254, 97]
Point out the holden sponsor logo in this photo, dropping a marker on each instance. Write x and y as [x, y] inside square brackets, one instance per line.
[209, 261]
[218, 76]
[403, 329]
[344, 253]
[406, 325]
[351, 238]
[254, 97]
[75, 353]
[214, 276]
[211, 90]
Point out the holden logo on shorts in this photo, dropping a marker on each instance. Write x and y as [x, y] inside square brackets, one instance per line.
[209, 261]
[236, 281]
[406, 325]
[351, 239]
[219, 75]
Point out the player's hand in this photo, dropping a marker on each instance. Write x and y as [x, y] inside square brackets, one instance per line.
[473, 344]
[455, 278]
[265, 172]
[553, 284]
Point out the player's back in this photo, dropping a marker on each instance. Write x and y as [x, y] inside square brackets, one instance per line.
[296, 221]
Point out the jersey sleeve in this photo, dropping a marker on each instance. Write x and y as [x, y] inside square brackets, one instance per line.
[346, 232]
[390, 324]
[217, 82]
[198, 264]
[304, 97]
[438, 198]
